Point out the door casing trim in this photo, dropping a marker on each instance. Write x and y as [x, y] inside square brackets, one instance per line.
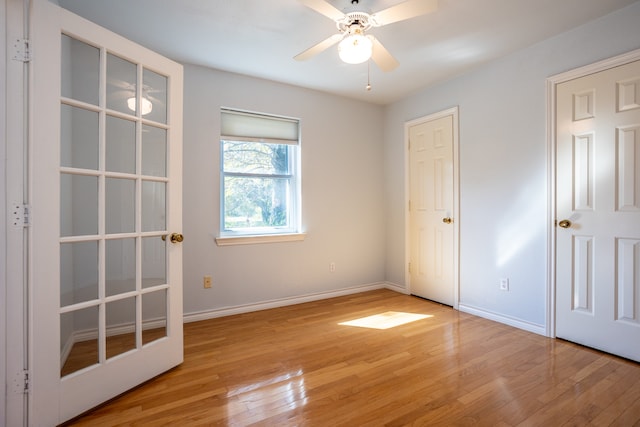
[14, 282]
[551, 83]
[454, 112]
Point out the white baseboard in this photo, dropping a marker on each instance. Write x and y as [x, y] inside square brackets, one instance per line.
[496, 317]
[66, 350]
[124, 328]
[397, 288]
[248, 308]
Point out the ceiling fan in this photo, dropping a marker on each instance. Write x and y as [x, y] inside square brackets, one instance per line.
[354, 45]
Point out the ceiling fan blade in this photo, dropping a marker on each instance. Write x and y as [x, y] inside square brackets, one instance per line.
[314, 50]
[402, 11]
[381, 56]
[324, 8]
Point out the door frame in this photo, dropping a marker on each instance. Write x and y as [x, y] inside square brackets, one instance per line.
[454, 112]
[3, 219]
[14, 262]
[551, 84]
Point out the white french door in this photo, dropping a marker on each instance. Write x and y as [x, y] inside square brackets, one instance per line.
[105, 252]
[433, 226]
[598, 210]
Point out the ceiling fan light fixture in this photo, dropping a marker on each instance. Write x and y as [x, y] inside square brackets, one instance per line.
[355, 49]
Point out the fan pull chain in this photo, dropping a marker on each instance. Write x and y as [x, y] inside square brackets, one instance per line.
[368, 75]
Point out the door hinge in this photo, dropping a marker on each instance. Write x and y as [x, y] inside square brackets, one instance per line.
[27, 383]
[20, 383]
[21, 50]
[409, 268]
[20, 215]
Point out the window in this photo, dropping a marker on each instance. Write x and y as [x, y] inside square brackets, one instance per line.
[260, 169]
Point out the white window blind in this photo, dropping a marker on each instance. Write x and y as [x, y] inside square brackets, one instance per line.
[242, 126]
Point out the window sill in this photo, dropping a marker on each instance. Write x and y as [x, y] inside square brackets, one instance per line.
[256, 239]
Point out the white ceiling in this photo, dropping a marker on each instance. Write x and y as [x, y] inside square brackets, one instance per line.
[260, 37]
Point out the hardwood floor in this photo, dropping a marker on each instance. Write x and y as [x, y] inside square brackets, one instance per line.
[298, 366]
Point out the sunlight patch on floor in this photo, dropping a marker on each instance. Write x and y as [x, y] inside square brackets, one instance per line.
[387, 320]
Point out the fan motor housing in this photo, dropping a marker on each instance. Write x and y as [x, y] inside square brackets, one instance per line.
[359, 20]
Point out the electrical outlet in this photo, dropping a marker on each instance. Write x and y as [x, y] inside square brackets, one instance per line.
[504, 284]
[332, 266]
[206, 282]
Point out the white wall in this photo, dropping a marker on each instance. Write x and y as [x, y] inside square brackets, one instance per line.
[503, 165]
[342, 195]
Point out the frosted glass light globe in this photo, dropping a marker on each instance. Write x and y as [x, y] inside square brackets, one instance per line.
[355, 49]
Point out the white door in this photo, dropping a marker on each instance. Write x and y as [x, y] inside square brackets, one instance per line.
[432, 208]
[598, 210]
[105, 162]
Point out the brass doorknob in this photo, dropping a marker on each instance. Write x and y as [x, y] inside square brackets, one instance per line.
[176, 238]
[565, 223]
[447, 220]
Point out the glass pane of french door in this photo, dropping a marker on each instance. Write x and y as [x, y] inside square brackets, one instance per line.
[113, 207]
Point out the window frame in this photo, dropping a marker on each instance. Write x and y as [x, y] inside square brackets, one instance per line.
[292, 232]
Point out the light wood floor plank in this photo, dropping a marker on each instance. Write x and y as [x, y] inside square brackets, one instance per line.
[297, 366]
